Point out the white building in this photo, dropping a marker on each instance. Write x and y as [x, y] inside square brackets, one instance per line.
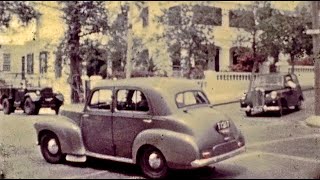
[31, 50]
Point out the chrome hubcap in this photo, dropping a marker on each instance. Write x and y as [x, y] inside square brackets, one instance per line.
[53, 146]
[154, 160]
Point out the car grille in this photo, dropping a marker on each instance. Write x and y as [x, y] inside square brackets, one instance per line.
[46, 92]
[224, 148]
[258, 98]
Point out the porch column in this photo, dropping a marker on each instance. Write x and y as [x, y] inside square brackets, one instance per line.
[224, 59]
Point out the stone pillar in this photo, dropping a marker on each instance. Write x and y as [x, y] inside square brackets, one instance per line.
[225, 17]
[224, 59]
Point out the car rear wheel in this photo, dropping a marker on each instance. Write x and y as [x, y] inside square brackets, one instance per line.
[29, 106]
[298, 106]
[51, 149]
[153, 164]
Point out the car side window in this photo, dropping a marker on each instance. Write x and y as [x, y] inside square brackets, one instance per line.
[131, 100]
[189, 98]
[101, 99]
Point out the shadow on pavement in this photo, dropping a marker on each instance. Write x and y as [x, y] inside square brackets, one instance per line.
[274, 114]
[134, 170]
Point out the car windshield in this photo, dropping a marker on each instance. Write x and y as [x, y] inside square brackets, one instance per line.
[190, 98]
[267, 81]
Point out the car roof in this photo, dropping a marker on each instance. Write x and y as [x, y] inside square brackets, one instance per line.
[160, 90]
[160, 83]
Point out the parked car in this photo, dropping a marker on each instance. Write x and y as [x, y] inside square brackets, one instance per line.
[272, 92]
[157, 123]
[29, 99]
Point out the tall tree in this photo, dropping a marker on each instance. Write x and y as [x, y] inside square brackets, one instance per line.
[189, 28]
[82, 18]
[21, 9]
[275, 31]
[250, 20]
[285, 32]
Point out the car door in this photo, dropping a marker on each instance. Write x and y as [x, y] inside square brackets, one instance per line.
[298, 88]
[97, 122]
[292, 97]
[129, 119]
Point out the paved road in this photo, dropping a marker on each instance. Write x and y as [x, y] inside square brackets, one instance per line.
[277, 148]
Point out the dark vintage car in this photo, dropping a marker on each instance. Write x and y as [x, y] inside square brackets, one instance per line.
[157, 123]
[272, 92]
[29, 99]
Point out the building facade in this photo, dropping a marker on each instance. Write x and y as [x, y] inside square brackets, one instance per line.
[35, 60]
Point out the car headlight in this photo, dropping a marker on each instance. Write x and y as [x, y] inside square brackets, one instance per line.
[273, 94]
[38, 93]
[243, 97]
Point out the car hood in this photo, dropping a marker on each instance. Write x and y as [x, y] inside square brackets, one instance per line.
[203, 123]
[269, 88]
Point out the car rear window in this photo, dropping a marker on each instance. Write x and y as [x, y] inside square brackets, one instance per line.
[190, 98]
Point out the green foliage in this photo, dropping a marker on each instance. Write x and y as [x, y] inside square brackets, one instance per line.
[21, 9]
[307, 61]
[82, 18]
[117, 45]
[246, 60]
[277, 31]
[183, 33]
[286, 32]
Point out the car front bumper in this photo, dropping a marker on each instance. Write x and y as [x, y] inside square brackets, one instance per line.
[204, 162]
[264, 108]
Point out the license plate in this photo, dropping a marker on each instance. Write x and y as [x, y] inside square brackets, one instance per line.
[223, 125]
[257, 109]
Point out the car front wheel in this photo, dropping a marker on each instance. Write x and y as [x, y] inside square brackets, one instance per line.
[6, 106]
[153, 164]
[248, 113]
[50, 149]
[29, 106]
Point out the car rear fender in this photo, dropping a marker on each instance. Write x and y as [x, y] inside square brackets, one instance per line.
[178, 149]
[67, 131]
[34, 97]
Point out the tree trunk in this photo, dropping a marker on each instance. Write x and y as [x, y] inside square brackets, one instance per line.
[75, 60]
[254, 45]
[255, 63]
[292, 62]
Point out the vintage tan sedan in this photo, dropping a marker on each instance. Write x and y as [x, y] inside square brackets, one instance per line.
[157, 123]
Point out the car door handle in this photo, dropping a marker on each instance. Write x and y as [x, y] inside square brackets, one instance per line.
[147, 121]
[85, 116]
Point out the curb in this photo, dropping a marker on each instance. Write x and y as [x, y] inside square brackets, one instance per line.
[313, 121]
[308, 88]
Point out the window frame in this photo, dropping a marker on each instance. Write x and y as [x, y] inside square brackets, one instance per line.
[130, 111]
[97, 109]
[6, 66]
[183, 92]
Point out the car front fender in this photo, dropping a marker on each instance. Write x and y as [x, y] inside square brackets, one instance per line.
[34, 97]
[59, 97]
[67, 131]
[178, 149]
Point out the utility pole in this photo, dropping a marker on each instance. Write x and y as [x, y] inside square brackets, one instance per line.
[316, 48]
[129, 41]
